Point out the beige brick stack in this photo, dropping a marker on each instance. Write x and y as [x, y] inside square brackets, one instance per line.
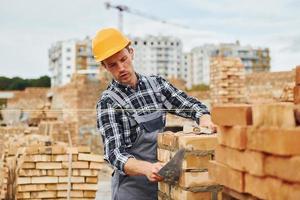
[297, 86]
[227, 80]
[194, 182]
[42, 172]
[258, 155]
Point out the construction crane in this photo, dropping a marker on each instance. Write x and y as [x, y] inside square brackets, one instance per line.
[123, 8]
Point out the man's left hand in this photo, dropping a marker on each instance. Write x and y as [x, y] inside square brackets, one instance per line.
[205, 121]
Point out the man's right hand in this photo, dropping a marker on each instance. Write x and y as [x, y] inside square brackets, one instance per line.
[134, 167]
[152, 172]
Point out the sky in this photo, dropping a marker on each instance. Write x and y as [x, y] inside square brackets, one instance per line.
[29, 28]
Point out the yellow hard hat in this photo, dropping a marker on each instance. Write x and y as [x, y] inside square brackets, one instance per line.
[107, 42]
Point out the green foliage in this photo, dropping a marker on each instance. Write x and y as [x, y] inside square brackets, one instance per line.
[17, 83]
[200, 87]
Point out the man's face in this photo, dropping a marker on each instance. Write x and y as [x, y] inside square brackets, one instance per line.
[120, 66]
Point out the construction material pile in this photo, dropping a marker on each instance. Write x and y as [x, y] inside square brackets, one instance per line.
[227, 80]
[258, 152]
[193, 182]
[297, 86]
[44, 170]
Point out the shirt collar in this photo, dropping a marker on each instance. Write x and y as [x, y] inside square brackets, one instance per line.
[140, 79]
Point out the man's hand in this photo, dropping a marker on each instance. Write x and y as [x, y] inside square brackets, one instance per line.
[134, 167]
[152, 172]
[205, 121]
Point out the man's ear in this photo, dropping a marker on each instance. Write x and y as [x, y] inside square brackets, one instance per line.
[131, 51]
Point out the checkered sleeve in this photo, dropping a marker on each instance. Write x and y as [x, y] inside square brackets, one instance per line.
[110, 125]
[182, 104]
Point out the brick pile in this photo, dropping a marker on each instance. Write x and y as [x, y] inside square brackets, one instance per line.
[193, 182]
[258, 152]
[42, 172]
[227, 80]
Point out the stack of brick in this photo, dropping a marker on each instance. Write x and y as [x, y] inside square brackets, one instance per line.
[297, 86]
[258, 153]
[59, 130]
[227, 80]
[42, 172]
[193, 182]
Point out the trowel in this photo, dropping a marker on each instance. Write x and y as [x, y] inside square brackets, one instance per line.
[172, 170]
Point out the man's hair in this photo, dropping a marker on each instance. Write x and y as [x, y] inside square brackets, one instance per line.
[128, 47]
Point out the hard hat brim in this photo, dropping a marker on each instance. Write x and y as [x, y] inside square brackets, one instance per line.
[112, 51]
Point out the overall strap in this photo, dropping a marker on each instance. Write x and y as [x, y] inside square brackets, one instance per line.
[123, 104]
[158, 93]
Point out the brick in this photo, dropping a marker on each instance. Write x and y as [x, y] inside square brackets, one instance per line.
[85, 172]
[44, 194]
[297, 77]
[76, 165]
[72, 194]
[91, 179]
[163, 155]
[270, 188]
[194, 161]
[37, 158]
[193, 142]
[286, 168]
[234, 137]
[73, 179]
[31, 187]
[57, 158]
[247, 161]
[168, 140]
[164, 188]
[44, 179]
[90, 157]
[48, 165]
[83, 186]
[57, 172]
[23, 180]
[274, 140]
[58, 186]
[274, 115]
[90, 194]
[23, 195]
[178, 193]
[224, 175]
[96, 165]
[194, 179]
[28, 165]
[297, 94]
[231, 115]
[32, 172]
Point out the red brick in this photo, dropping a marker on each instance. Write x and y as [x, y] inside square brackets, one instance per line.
[234, 137]
[195, 161]
[297, 94]
[275, 114]
[224, 175]
[274, 140]
[271, 188]
[249, 161]
[297, 77]
[178, 193]
[286, 168]
[231, 115]
[192, 142]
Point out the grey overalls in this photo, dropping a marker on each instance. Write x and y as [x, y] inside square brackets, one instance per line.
[144, 148]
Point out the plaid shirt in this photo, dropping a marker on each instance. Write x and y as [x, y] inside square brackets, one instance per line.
[113, 122]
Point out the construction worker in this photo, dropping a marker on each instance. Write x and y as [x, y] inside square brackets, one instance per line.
[130, 114]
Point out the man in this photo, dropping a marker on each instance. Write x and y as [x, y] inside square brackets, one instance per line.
[130, 114]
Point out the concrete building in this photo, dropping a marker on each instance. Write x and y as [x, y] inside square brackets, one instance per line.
[71, 56]
[254, 60]
[158, 55]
